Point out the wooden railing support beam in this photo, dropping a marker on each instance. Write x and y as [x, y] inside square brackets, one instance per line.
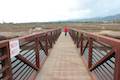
[24, 60]
[46, 44]
[117, 64]
[37, 48]
[90, 52]
[104, 59]
[81, 44]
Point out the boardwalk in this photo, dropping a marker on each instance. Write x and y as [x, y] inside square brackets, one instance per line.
[64, 63]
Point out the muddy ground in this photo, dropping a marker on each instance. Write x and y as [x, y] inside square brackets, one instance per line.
[14, 30]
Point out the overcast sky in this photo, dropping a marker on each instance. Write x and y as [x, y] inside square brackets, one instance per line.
[55, 10]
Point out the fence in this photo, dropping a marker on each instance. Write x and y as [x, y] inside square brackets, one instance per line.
[101, 54]
[34, 50]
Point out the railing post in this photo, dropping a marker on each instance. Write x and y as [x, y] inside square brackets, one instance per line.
[7, 74]
[46, 44]
[72, 34]
[75, 36]
[77, 39]
[117, 64]
[51, 39]
[81, 44]
[90, 52]
[54, 37]
[57, 34]
[37, 46]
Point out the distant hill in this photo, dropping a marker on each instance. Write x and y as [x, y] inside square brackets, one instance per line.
[113, 18]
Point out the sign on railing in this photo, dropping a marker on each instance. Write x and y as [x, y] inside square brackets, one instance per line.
[14, 48]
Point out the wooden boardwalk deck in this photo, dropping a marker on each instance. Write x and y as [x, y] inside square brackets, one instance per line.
[63, 62]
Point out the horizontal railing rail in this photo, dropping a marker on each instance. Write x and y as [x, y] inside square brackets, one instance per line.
[34, 49]
[101, 53]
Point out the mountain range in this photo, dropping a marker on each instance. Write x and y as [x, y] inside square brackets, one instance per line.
[112, 18]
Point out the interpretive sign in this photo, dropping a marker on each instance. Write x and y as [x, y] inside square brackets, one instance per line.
[14, 48]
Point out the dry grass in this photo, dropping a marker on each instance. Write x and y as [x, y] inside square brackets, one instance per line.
[15, 30]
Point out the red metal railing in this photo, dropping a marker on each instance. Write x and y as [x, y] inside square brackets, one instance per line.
[34, 51]
[101, 54]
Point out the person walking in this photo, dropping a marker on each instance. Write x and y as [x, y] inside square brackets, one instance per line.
[65, 30]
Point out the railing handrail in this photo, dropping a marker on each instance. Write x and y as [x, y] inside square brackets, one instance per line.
[97, 37]
[29, 35]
